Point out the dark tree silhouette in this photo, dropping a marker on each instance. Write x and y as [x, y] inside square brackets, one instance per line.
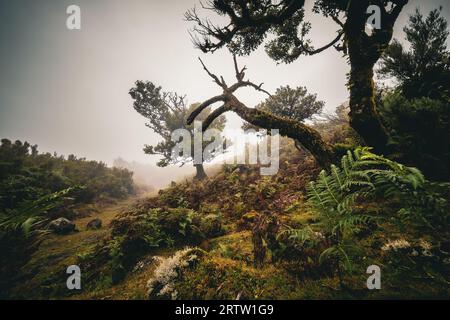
[416, 109]
[250, 22]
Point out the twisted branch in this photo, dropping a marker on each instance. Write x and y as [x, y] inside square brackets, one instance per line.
[298, 131]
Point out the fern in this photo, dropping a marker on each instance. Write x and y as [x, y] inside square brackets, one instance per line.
[299, 235]
[31, 214]
[361, 175]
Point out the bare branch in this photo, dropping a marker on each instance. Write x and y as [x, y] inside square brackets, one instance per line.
[325, 47]
[215, 78]
[239, 74]
[336, 19]
[247, 83]
[240, 79]
[174, 102]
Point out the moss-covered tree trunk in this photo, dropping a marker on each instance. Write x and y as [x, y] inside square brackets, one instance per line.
[364, 117]
[364, 50]
[307, 136]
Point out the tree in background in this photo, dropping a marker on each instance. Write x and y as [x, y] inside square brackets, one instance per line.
[250, 23]
[423, 70]
[417, 109]
[296, 104]
[166, 112]
[291, 103]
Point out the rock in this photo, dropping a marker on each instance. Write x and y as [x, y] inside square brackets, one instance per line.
[94, 224]
[62, 226]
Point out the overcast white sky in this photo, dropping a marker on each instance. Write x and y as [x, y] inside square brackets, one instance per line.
[67, 91]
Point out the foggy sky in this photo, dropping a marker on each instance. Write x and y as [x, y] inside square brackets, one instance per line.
[67, 91]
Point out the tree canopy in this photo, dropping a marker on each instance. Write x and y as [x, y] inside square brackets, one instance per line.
[284, 29]
[424, 69]
[166, 112]
[292, 103]
[416, 109]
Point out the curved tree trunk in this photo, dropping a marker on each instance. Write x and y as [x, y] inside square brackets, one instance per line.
[200, 172]
[308, 137]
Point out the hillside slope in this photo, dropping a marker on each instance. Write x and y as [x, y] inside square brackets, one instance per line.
[238, 226]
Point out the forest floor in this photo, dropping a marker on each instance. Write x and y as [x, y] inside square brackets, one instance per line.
[47, 267]
[45, 274]
[225, 269]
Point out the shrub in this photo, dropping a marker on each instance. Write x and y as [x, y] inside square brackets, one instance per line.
[138, 233]
[337, 197]
[26, 174]
[419, 127]
[21, 231]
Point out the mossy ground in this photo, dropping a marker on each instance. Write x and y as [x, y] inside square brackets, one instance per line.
[227, 270]
[44, 276]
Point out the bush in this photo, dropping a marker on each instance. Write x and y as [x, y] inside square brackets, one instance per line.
[21, 231]
[27, 175]
[141, 232]
[419, 128]
[338, 198]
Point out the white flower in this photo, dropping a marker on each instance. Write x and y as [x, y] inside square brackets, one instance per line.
[168, 271]
[396, 245]
[425, 244]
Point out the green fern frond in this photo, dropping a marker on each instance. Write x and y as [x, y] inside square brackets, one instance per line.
[348, 224]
